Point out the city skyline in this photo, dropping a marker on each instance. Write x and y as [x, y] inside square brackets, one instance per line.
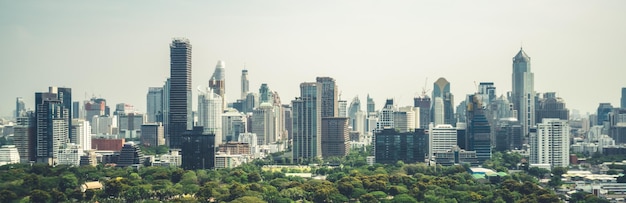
[386, 50]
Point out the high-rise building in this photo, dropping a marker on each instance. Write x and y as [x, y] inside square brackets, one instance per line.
[24, 137]
[81, 134]
[129, 125]
[52, 117]
[265, 94]
[441, 89]
[438, 111]
[210, 114]
[218, 82]
[406, 119]
[130, 155]
[623, 99]
[550, 106]
[264, 123]
[441, 138]
[423, 102]
[357, 116]
[391, 146]
[307, 118]
[245, 83]
[233, 124]
[508, 135]
[385, 119]
[96, 107]
[152, 134]
[603, 112]
[78, 110]
[329, 96]
[478, 130]
[165, 117]
[198, 149]
[154, 104]
[523, 94]
[342, 111]
[371, 106]
[549, 143]
[335, 137]
[180, 118]
[20, 107]
[487, 93]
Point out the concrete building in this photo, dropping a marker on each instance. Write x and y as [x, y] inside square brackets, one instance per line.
[24, 137]
[391, 146]
[9, 155]
[130, 155]
[508, 135]
[233, 124]
[550, 106]
[441, 138]
[623, 98]
[20, 107]
[52, 118]
[523, 93]
[264, 123]
[549, 143]
[456, 155]
[210, 113]
[386, 116]
[478, 129]
[103, 144]
[217, 83]
[154, 105]
[228, 160]
[234, 148]
[81, 131]
[70, 155]
[152, 134]
[423, 103]
[179, 118]
[307, 118]
[129, 124]
[335, 137]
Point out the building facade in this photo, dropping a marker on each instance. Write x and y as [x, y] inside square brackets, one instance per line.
[335, 137]
[307, 118]
[549, 144]
[154, 104]
[210, 114]
[217, 83]
[198, 151]
[523, 93]
[391, 146]
[180, 118]
[441, 89]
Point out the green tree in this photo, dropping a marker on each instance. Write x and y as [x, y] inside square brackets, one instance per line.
[39, 196]
[403, 198]
[7, 196]
[248, 199]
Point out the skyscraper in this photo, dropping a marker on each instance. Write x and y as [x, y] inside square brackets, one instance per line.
[371, 106]
[20, 107]
[478, 130]
[623, 99]
[329, 96]
[307, 139]
[357, 116]
[603, 112]
[551, 106]
[24, 137]
[218, 82]
[392, 146]
[81, 131]
[441, 89]
[96, 107]
[385, 120]
[198, 149]
[52, 117]
[423, 102]
[523, 94]
[245, 83]
[342, 110]
[549, 145]
[154, 103]
[335, 136]
[210, 114]
[180, 119]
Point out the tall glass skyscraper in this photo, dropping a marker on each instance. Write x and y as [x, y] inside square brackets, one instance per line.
[218, 82]
[623, 99]
[245, 83]
[154, 104]
[307, 118]
[441, 89]
[523, 94]
[180, 118]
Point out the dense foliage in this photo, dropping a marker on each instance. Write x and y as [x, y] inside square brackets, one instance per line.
[353, 181]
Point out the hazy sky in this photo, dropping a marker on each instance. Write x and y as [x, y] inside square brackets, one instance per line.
[117, 49]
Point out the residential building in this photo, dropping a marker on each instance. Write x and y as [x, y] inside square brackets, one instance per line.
[52, 118]
[210, 114]
[551, 106]
[549, 143]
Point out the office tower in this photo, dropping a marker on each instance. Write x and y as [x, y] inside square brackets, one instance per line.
[335, 137]
[288, 120]
[307, 118]
[502, 108]
[20, 107]
[487, 93]
[210, 113]
[70, 154]
[9, 155]
[342, 110]
[329, 96]
[251, 102]
[78, 110]
[96, 107]
[152, 134]
[130, 155]
[245, 83]
[165, 116]
[478, 130]
[129, 125]
[549, 144]
[218, 82]
[154, 104]
[423, 102]
[357, 116]
[461, 135]
[52, 118]
[523, 94]
[123, 108]
[508, 135]
[24, 137]
[623, 99]
[102, 125]
[438, 111]
[264, 124]
[391, 146]
[603, 112]
[233, 124]
[551, 106]
[441, 89]
[406, 119]
[265, 94]
[179, 118]
[461, 111]
[198, 149]
[385, 119]
[371, 106]
[442, 138]
[81, 134]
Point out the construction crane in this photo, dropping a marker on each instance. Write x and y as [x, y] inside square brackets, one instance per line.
[424, 90]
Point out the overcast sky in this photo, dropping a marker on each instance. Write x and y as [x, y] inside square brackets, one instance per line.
[117, 49]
